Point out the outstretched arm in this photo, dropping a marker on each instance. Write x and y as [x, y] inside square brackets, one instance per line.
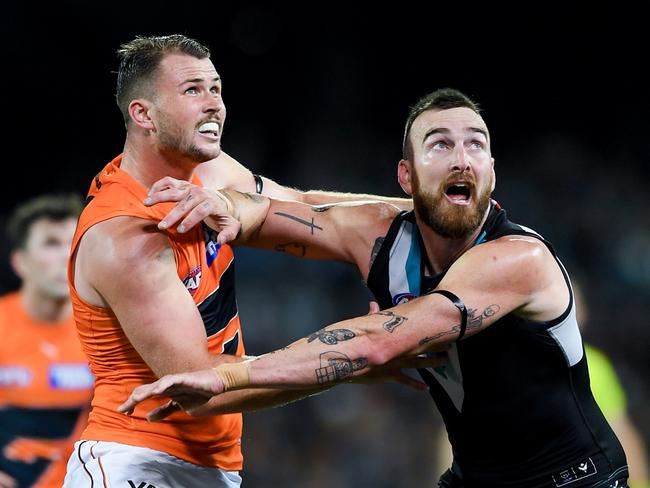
[227, 172]
[505, 276]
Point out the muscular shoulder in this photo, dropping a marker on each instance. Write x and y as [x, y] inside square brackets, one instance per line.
[513, 251]
[124, 239]
[116, 249]
[519, 268]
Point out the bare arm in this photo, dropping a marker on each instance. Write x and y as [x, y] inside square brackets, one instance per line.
[510, 275]
[155, 311]
[227, 172]
[345, 231]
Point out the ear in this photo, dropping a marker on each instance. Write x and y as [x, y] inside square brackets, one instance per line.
[404, 168]
[17, 260]
[494, 177]
[139, 112]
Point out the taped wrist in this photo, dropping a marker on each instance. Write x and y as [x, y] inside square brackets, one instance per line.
[234, 376]
[458, 303]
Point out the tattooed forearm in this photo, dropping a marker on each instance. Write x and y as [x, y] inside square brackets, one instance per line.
[375, 249]
[394, 321]
[331, 337]
[335, 366]
[473, 322]
[309, 224]
[292, 248]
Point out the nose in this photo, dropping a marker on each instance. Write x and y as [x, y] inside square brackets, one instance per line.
[214, 103]
[460, 161]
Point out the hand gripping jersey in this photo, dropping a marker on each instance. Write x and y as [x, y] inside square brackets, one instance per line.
[207, 270]
[515, 397]
[45, 389]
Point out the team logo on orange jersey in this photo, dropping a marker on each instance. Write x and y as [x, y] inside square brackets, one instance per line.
[192, 280]
[211, 246]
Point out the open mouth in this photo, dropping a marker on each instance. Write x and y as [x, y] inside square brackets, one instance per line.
[210, 129]
[459, 193]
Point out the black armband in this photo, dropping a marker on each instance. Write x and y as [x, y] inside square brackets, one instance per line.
[259, 184]
[459, 305]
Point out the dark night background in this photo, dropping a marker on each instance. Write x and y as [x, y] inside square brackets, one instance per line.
[317, 94]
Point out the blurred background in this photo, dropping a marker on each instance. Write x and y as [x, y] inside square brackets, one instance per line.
[317, 94]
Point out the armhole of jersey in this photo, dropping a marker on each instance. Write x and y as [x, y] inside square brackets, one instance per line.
[378, 274]
[565, 274]
[567, 311]
[75, 249]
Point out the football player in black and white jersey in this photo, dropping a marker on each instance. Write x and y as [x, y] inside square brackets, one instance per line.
[455, 275]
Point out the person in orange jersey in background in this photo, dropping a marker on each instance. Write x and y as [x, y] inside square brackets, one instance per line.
[45, 383]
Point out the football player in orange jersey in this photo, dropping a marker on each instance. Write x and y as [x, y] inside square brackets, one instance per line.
[45, 383]
[150, 302]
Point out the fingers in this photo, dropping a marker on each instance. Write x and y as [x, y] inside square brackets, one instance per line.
[140, 394]
[373, 307]
[164, 411]
[167, 189]
[228, 231]
[186, 208]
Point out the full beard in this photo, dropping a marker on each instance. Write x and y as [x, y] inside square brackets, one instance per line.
[446, 219]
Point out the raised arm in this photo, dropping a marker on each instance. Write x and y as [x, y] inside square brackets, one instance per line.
[510, 275]
[227, 172]
[346, 231]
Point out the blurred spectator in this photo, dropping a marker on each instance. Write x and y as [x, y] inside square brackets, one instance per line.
[611, 398]
[45, 383]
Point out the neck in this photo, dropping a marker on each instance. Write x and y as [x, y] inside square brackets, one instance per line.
[443, 251]
[44, 308]
[147, 164]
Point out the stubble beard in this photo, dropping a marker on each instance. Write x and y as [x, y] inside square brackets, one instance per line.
[446, 219]
[180, 146]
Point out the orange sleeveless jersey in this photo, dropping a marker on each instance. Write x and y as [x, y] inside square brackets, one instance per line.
[207, 271]
[45, 388]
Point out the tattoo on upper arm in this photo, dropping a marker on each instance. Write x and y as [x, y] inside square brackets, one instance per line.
[309, 224]
[332, 336]
[394, 321]
[375, 249]
[293, 248]
[335, 366]
[473, 322]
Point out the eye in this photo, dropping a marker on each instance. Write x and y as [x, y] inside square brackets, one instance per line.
[52, 242]
[215, 90]
[192, 91]
[476, 144]
[439, 145]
